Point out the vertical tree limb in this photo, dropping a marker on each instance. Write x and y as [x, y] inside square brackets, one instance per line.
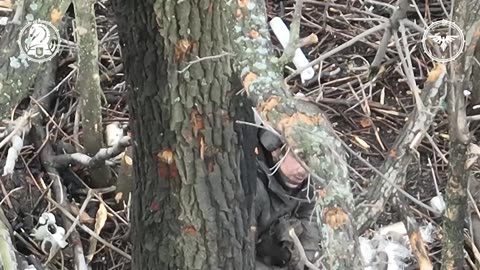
[467, 15]
[399, 14]
[88, 84]
[304, 127]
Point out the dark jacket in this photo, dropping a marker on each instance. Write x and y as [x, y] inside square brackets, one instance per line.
[277, 208]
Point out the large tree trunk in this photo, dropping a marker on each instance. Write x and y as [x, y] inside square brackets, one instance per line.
[191, 205]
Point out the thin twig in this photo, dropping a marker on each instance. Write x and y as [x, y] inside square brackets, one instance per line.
[88, 230]
[200, 59]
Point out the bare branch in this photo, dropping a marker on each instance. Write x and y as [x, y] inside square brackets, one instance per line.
[400, 155]
[300, 249]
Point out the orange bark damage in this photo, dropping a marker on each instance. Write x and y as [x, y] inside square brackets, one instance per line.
[335, 217]
[321, 193]
[268, 105]
[419, 250]
[287, 122]
[365, 122]
[166, 156]
[197, 121]
[243, 3]
[253, 34]
[248, 80]
[436, 72]
[392, 153]
[182, 47]
[189, 229]
[55, 16]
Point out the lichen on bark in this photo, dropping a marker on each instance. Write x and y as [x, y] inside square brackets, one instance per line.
[88, 85]
[17, 75]
[303, 126]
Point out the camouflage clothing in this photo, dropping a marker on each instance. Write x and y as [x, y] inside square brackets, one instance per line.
[279, 208]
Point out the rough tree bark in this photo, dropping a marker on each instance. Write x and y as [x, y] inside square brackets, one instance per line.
[17, 75]
[180, 123]
[467, 15]
[191, 206]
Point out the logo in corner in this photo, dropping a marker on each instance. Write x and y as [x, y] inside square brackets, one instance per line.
[39, 41]
[443, 41]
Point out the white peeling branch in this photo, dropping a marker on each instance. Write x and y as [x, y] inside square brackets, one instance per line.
[13, 153]
[8, 260]
[17, 129]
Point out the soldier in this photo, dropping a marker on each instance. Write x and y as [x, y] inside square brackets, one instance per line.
[281, 203]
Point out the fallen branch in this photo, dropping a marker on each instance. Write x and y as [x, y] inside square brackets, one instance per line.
[61, 161]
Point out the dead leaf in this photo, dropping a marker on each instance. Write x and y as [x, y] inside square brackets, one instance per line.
[118, 197]
[166, 156]
[100, 220]
[84, 217]
[361, 142]
[248, 80]
[445, 136]
[474, 149]
[366, 122]
[55, 16]
[128, 160]
[182, 47]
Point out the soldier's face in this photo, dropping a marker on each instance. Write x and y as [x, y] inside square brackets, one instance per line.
[293, 170]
